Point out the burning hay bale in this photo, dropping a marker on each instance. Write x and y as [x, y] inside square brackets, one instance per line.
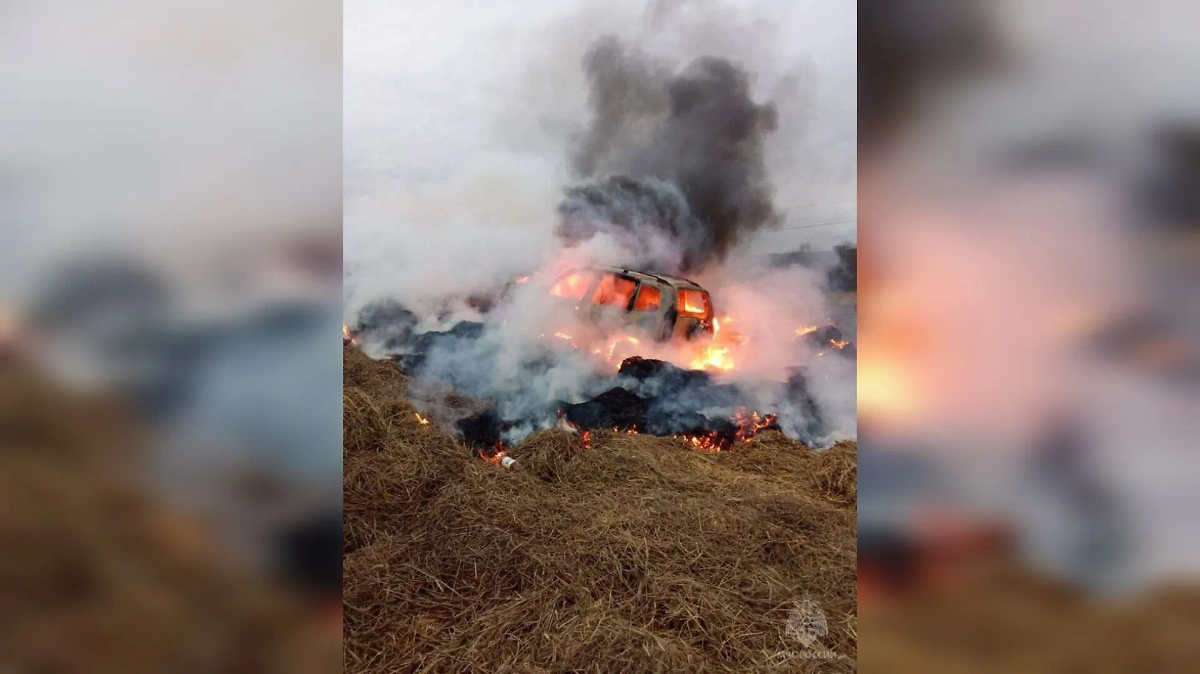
[615, 408]
[622, 553]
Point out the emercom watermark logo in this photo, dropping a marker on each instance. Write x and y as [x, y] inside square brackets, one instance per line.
[806, 627]
[806, 623]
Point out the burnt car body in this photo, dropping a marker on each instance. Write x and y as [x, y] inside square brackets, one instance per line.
[665, 307]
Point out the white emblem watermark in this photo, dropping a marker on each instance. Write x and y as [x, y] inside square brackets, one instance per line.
[806, 625]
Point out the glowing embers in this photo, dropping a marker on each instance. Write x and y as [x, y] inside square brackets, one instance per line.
[825, 338]
[585, 435]
[495, 455]
[721, 434]
[498, 456]
[710, 443]
[750, 423]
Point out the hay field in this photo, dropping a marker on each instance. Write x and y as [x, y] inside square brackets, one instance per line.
[637, 555]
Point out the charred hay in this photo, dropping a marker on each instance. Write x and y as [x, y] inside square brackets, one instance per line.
[636, 555]
[649, 395]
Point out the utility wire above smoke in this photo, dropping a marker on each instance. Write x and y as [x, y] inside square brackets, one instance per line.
[819, 224]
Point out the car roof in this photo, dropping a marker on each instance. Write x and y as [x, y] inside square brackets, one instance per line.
[673, 281]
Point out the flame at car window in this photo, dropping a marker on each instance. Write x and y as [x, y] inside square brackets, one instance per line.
[694, 303]
[648, 299]
[614, 291]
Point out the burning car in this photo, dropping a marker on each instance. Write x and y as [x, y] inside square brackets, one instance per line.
[666, 307]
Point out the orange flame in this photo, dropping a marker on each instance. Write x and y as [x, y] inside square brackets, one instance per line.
[497, 455]
[424, 421]
[571, 286]
[693, 303]
[723, 335]
[584, 435]
[632, 430]
[706, 443]
[713, 357]
[750, 423]
[804, 330]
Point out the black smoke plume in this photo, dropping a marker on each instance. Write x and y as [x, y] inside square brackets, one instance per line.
[679, 155]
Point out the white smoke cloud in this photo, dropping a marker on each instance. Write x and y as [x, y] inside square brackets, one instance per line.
[458, 122]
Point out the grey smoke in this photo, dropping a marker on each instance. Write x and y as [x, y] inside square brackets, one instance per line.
[699, 130]
[633, 210]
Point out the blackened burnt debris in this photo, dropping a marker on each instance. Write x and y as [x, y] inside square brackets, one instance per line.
[483, 432]
[652, 397]
[644, 396]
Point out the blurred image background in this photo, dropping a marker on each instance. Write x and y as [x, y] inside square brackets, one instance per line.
[170, 271]
[170, 284]
[1029, 368]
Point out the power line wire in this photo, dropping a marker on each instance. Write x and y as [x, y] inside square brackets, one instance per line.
[817, 224]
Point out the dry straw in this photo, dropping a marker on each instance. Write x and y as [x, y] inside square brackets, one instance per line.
[637, 555]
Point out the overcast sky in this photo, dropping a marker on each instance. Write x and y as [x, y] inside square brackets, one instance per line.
[179, 131]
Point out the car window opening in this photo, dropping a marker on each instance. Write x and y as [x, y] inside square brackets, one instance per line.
[614, 291]
[648, 299]
[694, 303]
